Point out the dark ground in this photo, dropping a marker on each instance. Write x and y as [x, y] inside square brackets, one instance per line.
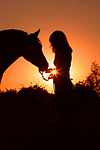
[28, 120]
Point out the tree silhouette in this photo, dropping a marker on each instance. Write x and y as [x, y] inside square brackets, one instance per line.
[93, 80]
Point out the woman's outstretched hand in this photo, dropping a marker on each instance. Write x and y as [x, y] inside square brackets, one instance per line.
[51, 72]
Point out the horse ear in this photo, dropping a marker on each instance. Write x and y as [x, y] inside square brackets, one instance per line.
[36, 33]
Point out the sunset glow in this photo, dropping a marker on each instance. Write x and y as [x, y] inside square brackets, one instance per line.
[80, 22]
[54, 72]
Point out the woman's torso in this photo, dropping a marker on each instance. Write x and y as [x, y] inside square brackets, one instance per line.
[62, 62]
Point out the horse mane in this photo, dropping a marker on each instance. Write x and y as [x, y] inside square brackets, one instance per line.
[11, 31]
[11, 36]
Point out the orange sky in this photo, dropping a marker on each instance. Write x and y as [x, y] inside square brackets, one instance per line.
[79, 20]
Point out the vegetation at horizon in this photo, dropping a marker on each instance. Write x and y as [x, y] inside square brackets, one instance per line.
[28, 118]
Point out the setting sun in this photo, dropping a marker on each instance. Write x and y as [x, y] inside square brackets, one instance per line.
[83, 38]
[54, 72]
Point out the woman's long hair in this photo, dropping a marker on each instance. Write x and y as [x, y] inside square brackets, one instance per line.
[59, 41]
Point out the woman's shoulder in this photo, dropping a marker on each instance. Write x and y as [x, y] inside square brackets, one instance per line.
[65, 54]
[62, 56]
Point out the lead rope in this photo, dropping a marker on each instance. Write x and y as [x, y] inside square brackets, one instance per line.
[50, 76]
[43, 76]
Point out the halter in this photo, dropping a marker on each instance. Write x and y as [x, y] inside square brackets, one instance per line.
[47, 71]
[41, 72]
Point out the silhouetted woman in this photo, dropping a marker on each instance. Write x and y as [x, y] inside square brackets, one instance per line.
[63, 86]
[62, 61]
[62, 81]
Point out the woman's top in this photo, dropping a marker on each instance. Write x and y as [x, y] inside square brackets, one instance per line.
[62, 62]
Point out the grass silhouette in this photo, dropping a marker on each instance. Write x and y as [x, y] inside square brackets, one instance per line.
[28, 118]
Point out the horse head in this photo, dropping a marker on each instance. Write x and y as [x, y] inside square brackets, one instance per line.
[15, 43]
[33, 51]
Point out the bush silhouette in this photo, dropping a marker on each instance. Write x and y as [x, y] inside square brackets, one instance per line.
[85, 107]
[28, 118]
[93, 80]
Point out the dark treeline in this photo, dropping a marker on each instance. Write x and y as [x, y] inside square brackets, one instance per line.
[28, 118]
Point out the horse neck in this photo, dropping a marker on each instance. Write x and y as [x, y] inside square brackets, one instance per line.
[7, 58]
